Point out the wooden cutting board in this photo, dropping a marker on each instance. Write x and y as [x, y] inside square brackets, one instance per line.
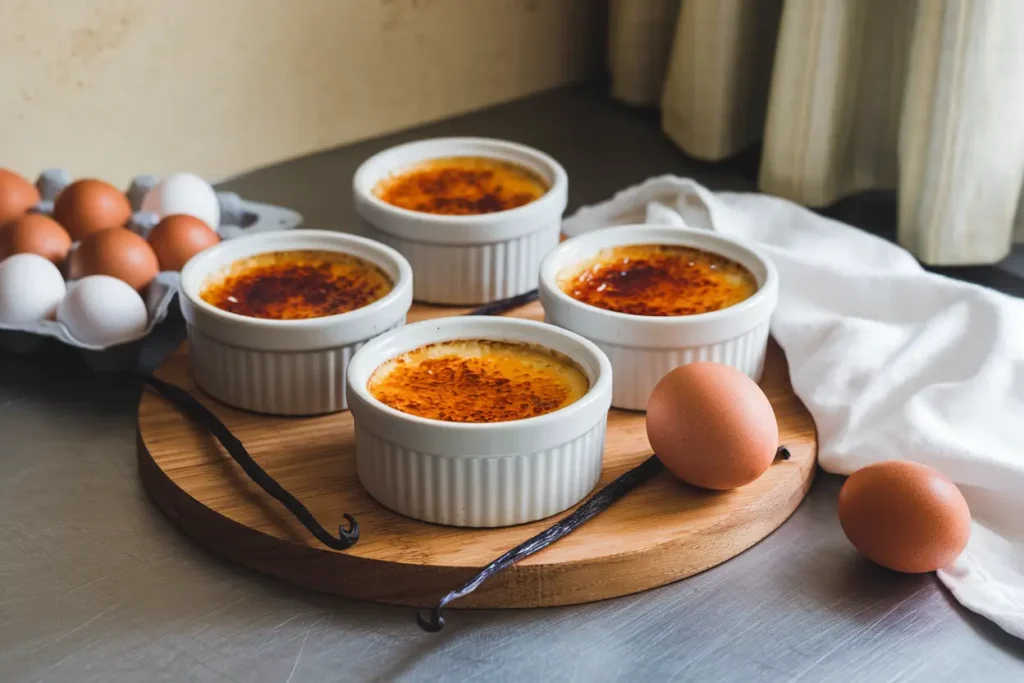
[662, 532]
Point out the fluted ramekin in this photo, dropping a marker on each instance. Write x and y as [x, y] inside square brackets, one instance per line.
[472, 474]
[285, 367]
[465, 260]
[643, 349]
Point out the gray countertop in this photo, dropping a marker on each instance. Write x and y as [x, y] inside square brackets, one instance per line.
[96, 585]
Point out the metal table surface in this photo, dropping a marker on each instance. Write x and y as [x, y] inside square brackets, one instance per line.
[96, 585]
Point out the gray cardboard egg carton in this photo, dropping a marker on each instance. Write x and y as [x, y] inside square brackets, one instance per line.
[237, 217]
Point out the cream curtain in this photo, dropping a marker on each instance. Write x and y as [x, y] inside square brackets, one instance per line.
[922, 96]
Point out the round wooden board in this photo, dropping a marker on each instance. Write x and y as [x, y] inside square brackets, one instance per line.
[659, 533]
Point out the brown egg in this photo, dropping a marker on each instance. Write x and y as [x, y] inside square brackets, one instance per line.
[904, 516]
[17, 195]
[712, 426]
[35, 233]
[178, 238]
[88, 206]
[117, 252]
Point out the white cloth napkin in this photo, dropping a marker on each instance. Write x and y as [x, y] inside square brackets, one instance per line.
[893, 362]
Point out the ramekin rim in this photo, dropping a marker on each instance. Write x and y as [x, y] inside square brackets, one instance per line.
[397, 292]
[765, 290]
[558, 186]
[597, 388]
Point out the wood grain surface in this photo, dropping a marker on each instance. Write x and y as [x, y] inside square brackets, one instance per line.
[659, 533]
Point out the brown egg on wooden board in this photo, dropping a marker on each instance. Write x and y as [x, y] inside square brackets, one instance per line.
[89, 205]
[116, 252]
[712, 426]
[34, 233]
[17, 196]
[905, 516]
[179, 237]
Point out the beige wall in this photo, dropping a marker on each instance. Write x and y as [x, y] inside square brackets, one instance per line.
[114, 88]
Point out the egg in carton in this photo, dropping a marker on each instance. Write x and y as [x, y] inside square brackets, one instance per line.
[232, 215]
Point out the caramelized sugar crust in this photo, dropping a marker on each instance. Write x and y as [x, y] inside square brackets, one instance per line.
[293, 285]
[459, 186]
[478, 381]
[658, 280]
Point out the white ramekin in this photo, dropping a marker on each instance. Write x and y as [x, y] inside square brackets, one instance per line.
[285, 367]
[480, 475]
[643, 349]
[464, 260]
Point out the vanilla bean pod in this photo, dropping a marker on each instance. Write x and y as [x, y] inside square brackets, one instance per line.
[432, 620]
[202, 415]
[499, 307]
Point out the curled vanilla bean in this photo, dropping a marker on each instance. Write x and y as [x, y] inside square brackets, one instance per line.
[347, 537]
[432, 620]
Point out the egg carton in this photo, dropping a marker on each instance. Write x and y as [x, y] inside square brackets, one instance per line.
[238, 217]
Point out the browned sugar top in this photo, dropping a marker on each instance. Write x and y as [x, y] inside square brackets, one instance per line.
[462, 186]
[658, 280]
[478, 381]
[293, 285]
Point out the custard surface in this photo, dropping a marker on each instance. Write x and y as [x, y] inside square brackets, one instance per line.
[478, 381]
[461, 186]
[658, 280]
[295, 285]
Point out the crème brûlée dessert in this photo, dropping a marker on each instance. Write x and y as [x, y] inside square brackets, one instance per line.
[479, 381]
[296, 285]
[658, 280]
[461, 186]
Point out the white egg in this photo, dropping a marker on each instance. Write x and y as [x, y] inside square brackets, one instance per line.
[101, 311]
[184, 193]
[31, 288]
